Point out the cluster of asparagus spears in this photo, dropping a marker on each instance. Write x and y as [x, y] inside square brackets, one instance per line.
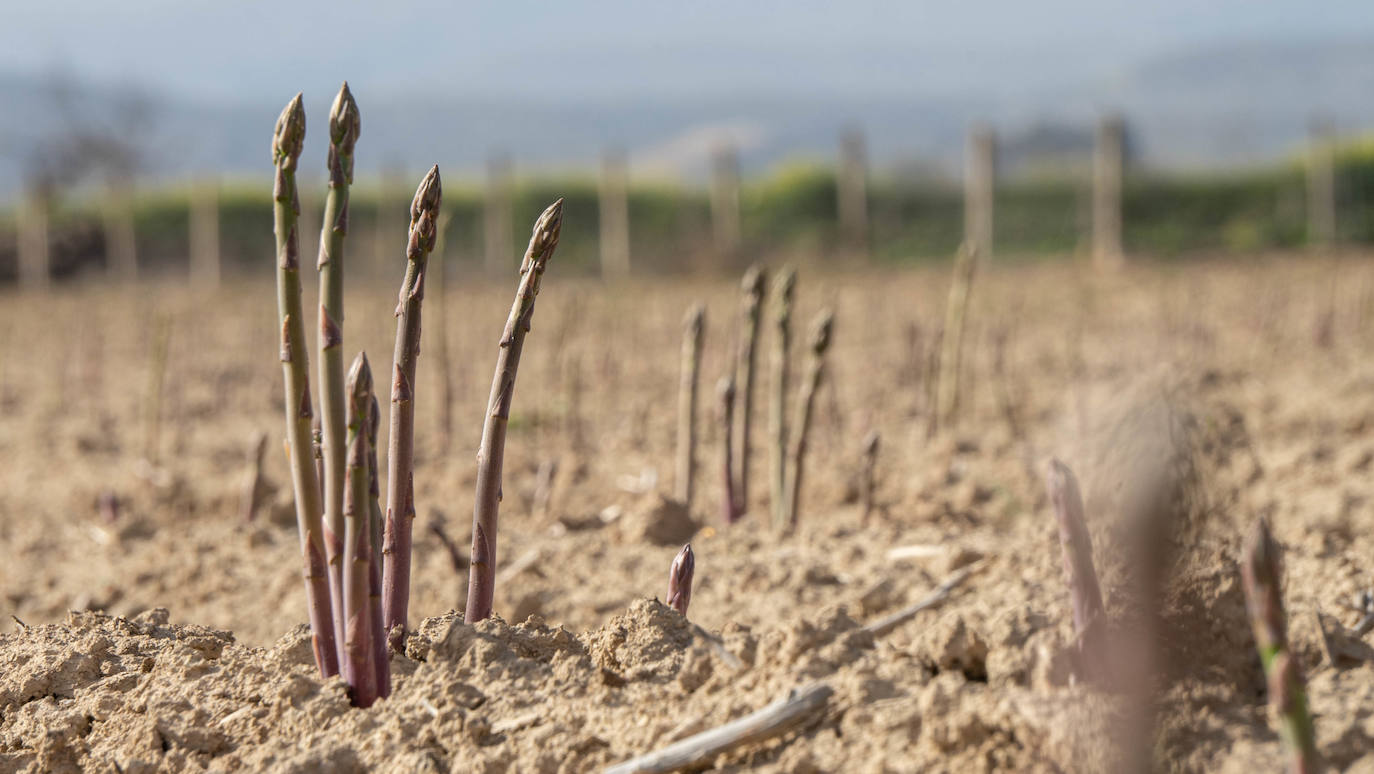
[735, 392]
[357, 556]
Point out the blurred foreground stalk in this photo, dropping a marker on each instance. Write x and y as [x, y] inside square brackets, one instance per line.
[1261, 572]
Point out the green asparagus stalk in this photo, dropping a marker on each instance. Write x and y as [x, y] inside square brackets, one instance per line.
[694, 328]
[374, 570]
[343, 133]
[491, 453]
[680, 579]
[1089, 615]
[1261, 572]
[286, 150]
[157, 377]
[751, 306]
[815, 371]
[951, 355]
[784, 288]
[358, 668]
[400, 494]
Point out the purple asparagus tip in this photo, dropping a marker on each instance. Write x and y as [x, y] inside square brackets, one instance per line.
[680, 579]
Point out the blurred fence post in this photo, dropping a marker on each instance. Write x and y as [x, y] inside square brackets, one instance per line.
[34, 253]
[980, 185]
[121, 244]
[1108, 161]
[1321, 185]
[615, 216]
[205, 258]
[852, 191]
[725, 200]
[497, 219]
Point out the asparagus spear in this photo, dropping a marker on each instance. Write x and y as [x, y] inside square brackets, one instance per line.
[751, 306]
[374, 570]
[491, 453]
[359, 669]
[815, 371]
[286, 150]
[694, 326]
[1089, 616]
[400, 490]
[680, 579]
[343, 133]
[869, 479]
[952, 352]
[725, 391]
[1261, 572]
[784, 288]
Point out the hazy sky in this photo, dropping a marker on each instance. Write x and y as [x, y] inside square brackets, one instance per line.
[254, 49]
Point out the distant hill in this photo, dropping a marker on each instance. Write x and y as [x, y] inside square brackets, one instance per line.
[1214, 107]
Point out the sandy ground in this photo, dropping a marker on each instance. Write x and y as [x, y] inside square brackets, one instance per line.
[1224, 390]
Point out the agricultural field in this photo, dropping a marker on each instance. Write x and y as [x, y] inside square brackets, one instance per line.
[153, 626]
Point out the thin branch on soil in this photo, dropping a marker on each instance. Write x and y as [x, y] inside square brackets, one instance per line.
[941, 593]
[772, 721]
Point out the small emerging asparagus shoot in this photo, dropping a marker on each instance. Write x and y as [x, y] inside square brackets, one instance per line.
[680, 579]
[286, 150]
[694, 327]
[784, 288]
[359, 669]
[343, 133]
[1089, 616]
[751, 306]
[400, 494]
[869, 477]
[252, 481]
[806, 401]
[1261, 572]
[491, 453]
[951, 355]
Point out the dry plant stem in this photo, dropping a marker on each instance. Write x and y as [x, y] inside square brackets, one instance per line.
[455, 557]
[400, 489]
[750, 310]
[374, 570]
[358, 667]
[286, 150]
[1262, 576]
[544, 481]
[942, 592]
[680, 579]
[815, 370]
[1089, 616]
[772, 721]
[491, 453]
[869, 475]
[725, 392]
[694, 328]
[252, 482]
[343, 133]
[951, 355]
[784, 288]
